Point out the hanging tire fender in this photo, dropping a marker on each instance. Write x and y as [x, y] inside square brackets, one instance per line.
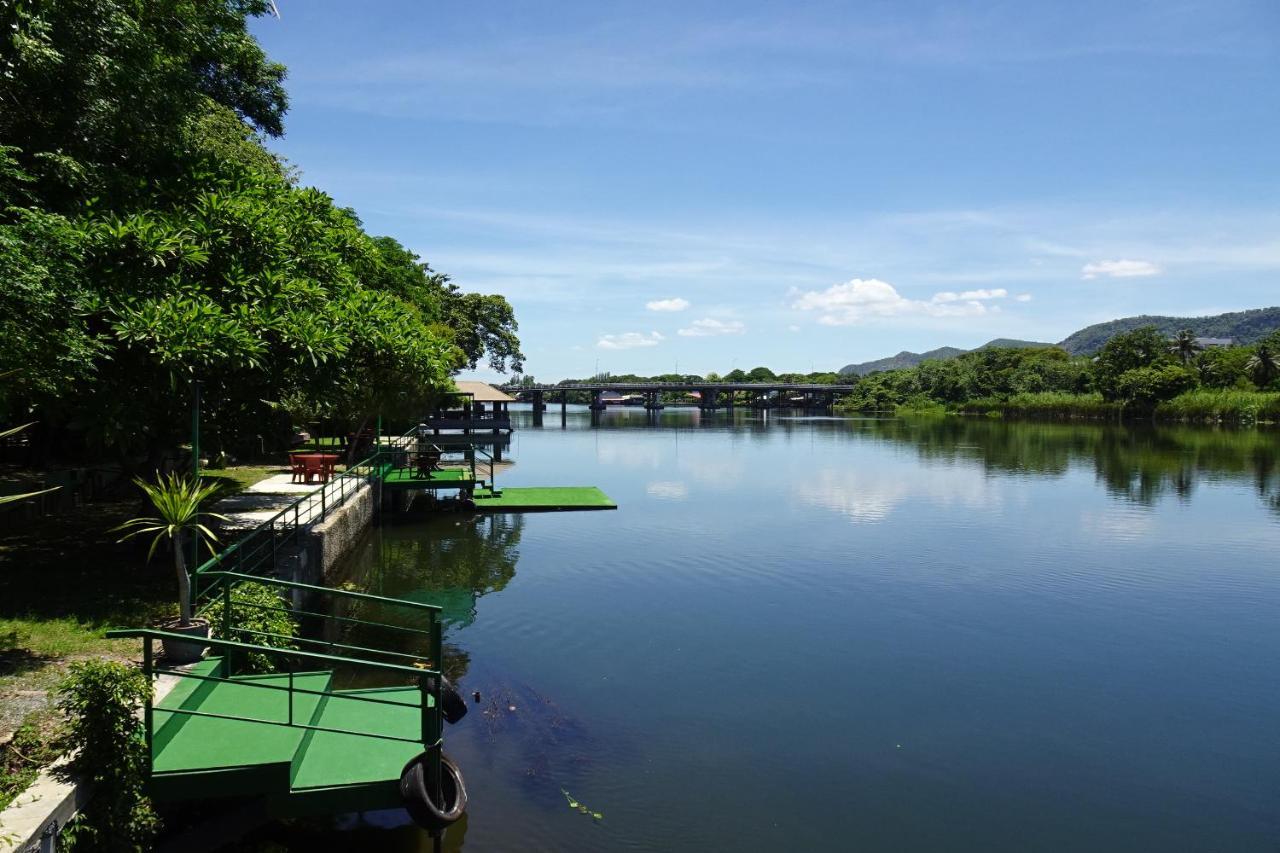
[452, 705]
[414, 791]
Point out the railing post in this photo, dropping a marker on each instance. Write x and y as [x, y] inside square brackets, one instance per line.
[290, 695]
[147, 713]
[226, 612]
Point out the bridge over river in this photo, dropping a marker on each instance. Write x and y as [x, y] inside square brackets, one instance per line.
[709, 395]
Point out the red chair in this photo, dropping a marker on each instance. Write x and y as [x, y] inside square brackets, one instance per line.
[315, 465]
[297, 468]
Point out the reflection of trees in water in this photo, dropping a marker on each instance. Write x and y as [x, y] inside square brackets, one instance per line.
[1138, 463]
[447, 560]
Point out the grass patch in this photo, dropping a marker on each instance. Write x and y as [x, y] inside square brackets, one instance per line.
[920, 408]
[1227, 405]
[1049, 404]
[36, 744]
[236, 479]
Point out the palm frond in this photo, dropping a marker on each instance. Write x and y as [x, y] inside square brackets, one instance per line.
[15, 430]
[8, 499]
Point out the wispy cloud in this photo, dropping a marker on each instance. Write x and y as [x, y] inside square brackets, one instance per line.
[629, 340]
[711, 327]
[1119, 269]
[673, 304]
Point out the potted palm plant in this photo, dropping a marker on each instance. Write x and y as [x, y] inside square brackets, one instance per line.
[177, 502]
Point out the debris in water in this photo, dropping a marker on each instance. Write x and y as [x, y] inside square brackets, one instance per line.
[476, 695]
[580, 807]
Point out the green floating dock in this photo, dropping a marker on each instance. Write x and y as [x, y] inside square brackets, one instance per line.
[551, 499]
[306, 752]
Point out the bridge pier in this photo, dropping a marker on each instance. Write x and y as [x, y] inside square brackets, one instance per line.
[539, 404]
[597, 403]
[653, 401]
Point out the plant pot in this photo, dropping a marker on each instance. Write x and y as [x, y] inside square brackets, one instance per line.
[183, 651]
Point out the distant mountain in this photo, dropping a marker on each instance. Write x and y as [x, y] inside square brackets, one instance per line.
[1242, 327]
[911, 359]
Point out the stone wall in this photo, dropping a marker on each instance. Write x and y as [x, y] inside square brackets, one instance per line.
[332, 539]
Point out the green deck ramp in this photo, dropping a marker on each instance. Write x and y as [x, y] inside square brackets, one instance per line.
[301, 769]
[354, 771]
[207, 756]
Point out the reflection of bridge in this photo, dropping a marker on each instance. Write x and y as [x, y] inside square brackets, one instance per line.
[710, 395]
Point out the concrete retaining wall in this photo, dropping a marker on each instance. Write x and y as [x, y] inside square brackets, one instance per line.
[332, 539]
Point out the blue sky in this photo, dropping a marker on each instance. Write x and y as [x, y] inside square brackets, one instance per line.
[801, 185]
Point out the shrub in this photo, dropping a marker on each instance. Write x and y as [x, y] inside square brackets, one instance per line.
[1145, 387]
[100, 699]
[1221, 405]
[256, 617]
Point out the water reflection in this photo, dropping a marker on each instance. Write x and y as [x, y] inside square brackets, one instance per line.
[1138, 463]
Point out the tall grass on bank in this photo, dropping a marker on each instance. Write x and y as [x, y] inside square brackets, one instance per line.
[918, 407]
[1221, 406]
[1046, 404]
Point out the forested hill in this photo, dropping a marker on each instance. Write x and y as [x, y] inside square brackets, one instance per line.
[1243, 327]
[911, 359]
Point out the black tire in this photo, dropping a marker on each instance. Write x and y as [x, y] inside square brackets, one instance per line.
[413, 790]
[452, 705]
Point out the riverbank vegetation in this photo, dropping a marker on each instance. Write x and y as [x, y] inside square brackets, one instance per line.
[1139, 374]
[150, 240]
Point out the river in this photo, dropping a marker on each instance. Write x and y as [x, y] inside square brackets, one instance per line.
[816, 633]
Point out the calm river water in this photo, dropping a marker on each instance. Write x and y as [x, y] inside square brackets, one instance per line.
[805, 633]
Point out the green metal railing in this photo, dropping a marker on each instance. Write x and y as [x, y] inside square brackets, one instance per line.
[367, 662]
[257, 552]
[430, 731]
[329, 624]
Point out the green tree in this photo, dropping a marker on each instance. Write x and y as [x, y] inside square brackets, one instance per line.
[176, 500]
[100, 93]
[1144, 387]
[761, 374]
[1264, 363]
[1185, 345]
[1144, 347]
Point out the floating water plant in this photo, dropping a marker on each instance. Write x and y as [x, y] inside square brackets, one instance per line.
[580, 807]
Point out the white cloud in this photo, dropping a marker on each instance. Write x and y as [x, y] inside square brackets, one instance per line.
[970, 295]
[708, 327]
[793, 328]
[861, 299]
[629, 340]
[1119, 269]
[673, 304]
[1022, 297]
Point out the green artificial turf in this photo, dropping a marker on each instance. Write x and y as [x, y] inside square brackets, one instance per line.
[549, 498]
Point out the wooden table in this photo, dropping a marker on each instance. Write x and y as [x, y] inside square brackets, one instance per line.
[315, 464]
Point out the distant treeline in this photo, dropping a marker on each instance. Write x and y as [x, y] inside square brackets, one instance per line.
[756, 374]
[1141, 373]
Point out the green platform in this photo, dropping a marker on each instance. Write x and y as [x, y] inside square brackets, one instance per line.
[446, 478]
[558, 498]
[299, 768]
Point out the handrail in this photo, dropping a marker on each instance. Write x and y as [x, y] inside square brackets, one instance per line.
[234, 645]
[262, 542]
[339, 593]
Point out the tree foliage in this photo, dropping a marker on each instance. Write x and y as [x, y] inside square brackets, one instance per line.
[148, 239]
[1135, 371]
